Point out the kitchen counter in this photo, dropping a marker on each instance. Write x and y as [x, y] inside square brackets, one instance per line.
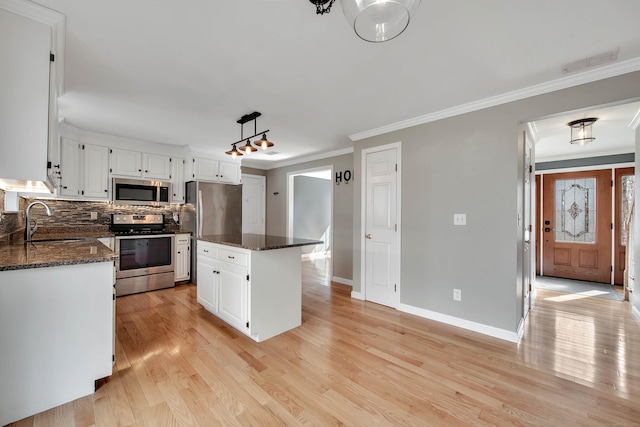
[258, 242]
[38, 254]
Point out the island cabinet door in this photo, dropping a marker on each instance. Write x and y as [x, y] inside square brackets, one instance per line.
[233, 286]
[208, 275]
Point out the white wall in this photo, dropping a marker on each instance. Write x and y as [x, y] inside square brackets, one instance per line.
[472, 164]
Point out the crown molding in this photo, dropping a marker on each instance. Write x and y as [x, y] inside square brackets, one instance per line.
[600, 73]
[50, 17]
[299, 160]
[70, 131]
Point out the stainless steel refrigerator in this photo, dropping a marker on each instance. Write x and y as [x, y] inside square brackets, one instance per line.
[210, 209]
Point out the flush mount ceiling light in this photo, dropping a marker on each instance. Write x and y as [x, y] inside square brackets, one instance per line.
[247, 148]
[581, 131]
[374, 21]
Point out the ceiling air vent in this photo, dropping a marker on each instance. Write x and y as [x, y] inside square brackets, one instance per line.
[271, 153]
[590, 62]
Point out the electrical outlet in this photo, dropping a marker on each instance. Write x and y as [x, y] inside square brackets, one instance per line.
[94, 215]
[459, 219]
[457, 295]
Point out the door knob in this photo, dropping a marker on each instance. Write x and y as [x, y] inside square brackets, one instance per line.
[369, 236]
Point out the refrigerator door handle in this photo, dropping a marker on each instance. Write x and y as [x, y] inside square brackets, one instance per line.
[199, 225]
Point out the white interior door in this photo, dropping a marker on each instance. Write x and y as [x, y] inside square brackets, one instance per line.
[381, 242]
[253, 204]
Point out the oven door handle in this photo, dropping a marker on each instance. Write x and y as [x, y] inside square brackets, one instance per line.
[199, 213]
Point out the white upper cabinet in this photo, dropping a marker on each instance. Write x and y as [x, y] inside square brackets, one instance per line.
[177, 180]
[230, 172]
[136, 164]
[126, 163]
[156, 166]
[69, 168]
[84, 170]
[95, 177]
[24, 105]
[205, 169]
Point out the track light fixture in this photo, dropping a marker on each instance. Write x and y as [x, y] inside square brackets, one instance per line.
[247, 148]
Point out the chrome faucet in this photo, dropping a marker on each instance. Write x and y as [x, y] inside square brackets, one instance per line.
[28, 231]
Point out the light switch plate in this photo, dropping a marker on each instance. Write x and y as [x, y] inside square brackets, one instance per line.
[459, 219]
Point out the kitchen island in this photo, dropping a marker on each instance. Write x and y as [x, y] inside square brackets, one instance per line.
[56, 323]
[252, 281]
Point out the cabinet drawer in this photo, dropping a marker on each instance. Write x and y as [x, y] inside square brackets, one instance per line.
[207, 249]
[182, 239]
[233, 257]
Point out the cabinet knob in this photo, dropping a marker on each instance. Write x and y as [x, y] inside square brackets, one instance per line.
[105, 191]
[65, 187]
[139, 170]
[146, 171]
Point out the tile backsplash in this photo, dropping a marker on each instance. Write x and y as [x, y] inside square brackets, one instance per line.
[68, 213]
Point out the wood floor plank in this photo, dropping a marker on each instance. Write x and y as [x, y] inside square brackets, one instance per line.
[357, 363]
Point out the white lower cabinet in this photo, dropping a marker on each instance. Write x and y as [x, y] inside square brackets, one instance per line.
[233, 286]
[208, 284]
[257, 292]
[182, 257]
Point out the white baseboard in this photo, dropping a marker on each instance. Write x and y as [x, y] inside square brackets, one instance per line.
[520, 330]
[634, 310]
[461, 323]
[357, 295]
[337, 279]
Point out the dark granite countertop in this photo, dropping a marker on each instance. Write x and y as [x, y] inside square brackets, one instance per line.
[258, 242]
[39, 254]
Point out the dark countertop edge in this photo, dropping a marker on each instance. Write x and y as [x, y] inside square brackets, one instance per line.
[110, 258]
[260, 248]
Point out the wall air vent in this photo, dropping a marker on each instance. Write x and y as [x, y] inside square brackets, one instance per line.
[590, 62]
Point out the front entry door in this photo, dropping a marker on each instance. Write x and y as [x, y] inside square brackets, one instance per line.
[381, 218]
[577, 226]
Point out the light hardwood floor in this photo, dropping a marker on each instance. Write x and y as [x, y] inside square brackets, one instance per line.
[357, 363]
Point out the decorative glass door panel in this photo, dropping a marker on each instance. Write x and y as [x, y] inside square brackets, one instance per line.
[625, 187]
[576, 225]
[626, 194]
[575, 210]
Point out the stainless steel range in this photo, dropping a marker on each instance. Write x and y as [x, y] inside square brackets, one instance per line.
[145, 253]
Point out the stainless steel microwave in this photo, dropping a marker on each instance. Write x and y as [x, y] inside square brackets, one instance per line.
[140, 192]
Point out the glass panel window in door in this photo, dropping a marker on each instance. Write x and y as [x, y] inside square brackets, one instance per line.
[575, 210]
[627, 189]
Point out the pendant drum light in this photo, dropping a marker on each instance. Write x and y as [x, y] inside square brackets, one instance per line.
[378, 21]
[581, 131]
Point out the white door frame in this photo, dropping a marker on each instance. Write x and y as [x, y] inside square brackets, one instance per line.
[263, 179]
[363, 206]
[289, 213]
